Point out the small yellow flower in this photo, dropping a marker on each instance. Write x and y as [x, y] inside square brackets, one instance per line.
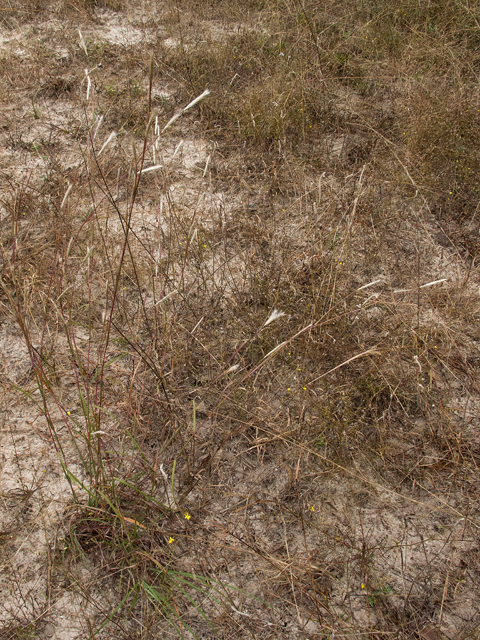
[186, 515]
[312, 508]
[170, 540]
[363, 586]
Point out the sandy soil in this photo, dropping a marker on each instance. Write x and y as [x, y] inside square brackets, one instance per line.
[261, 520]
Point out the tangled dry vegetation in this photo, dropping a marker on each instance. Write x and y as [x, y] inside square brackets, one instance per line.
[239, 338]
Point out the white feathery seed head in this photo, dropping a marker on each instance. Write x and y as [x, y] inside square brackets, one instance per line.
[274, 316]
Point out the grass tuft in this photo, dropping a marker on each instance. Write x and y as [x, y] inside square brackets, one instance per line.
[239, 302]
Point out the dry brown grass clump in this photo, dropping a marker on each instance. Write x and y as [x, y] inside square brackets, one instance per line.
[239, 328]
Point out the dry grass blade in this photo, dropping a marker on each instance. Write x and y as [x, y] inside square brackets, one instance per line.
[239, 338]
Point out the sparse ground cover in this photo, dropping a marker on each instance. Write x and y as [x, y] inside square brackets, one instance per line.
[239, 316]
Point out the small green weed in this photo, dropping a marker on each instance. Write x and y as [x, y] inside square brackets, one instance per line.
[383, 590]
